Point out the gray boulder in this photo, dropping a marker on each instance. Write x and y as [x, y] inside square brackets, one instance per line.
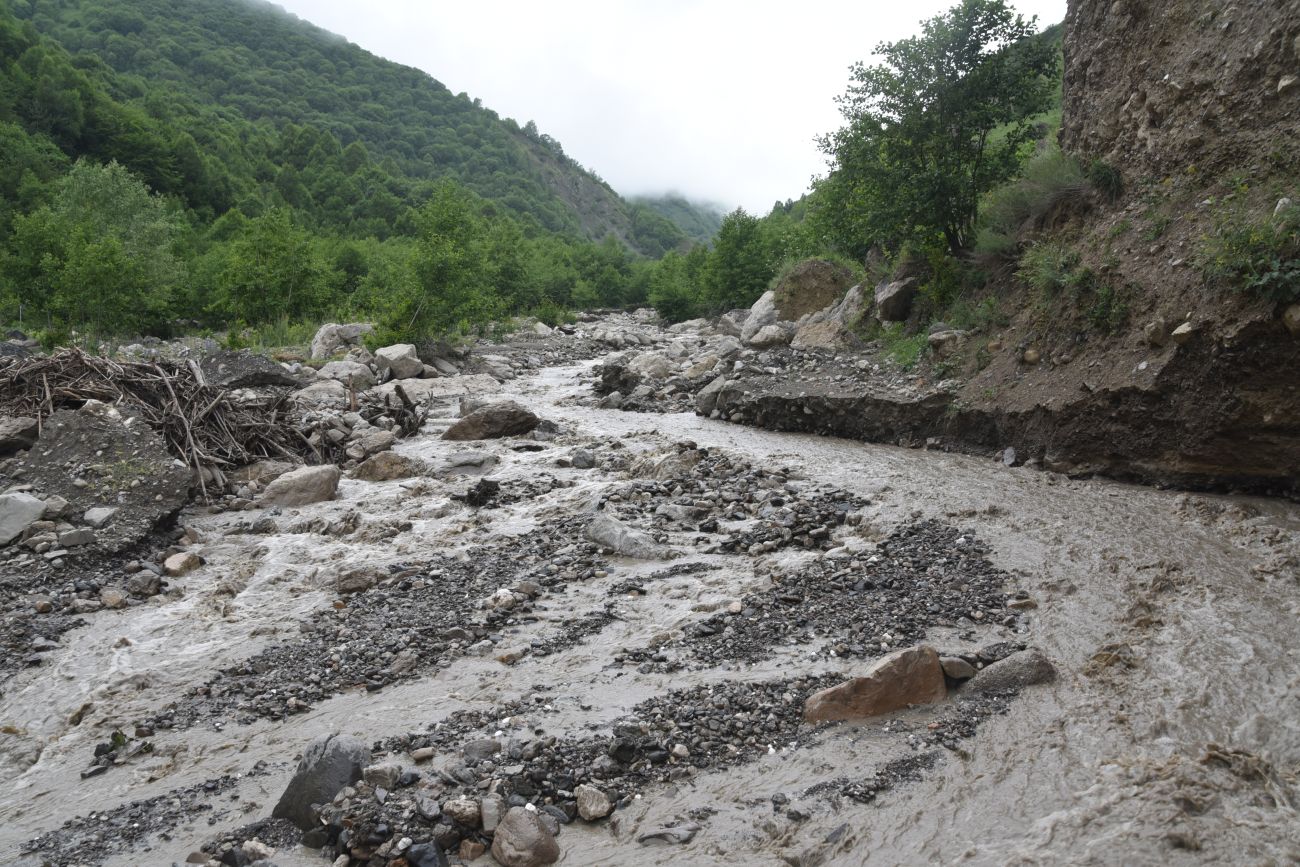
[333, 338]
[327, 765]
[611, 533]
[399, 361]
[732, 323]
[17, 434]
[303, 487]
[244, 370]
[762, 314]
[522, 840]
[894, 300]
[504, 419]
[18, 512]
[358, 375]
[707, 398]
[770, 335]
[1014, 673]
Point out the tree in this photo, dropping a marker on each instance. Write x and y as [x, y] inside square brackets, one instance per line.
[741, 265]
[273, 270]
[939, 122]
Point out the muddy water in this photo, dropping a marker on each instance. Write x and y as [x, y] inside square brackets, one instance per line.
[1197, 598]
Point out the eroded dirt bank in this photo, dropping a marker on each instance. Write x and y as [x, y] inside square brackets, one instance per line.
[1169, 735]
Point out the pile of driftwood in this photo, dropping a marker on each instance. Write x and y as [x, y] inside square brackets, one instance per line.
[201, 424]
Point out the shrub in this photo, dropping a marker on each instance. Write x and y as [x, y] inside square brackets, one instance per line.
[1106, 179]
[1049, 267]
[1049, 179]
[1261, 256]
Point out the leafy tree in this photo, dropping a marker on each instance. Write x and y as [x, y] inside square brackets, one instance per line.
[741, 265]
[273, 270]
[939, 122]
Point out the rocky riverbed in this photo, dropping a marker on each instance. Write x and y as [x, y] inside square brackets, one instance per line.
[598, 642]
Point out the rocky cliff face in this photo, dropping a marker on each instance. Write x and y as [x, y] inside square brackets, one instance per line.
[1166, 86]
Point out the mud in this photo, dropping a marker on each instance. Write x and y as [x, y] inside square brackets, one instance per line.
[1170, 733]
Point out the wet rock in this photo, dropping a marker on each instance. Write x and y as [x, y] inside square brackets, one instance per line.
[327, 765]
[956, 668]
[16, 434]
[144, 584]
[707, 399]
[905, 677]
[676, 834]
[522, 840]
[593, 804]
[894, 300]
[352, 373]
[181, 564]
[302, 487]
[18, 512]
[611, 533]
[387, 466]
[244, 369]
[333, 338]
[357, 580]
[493, 422]
[398, 361]
[581, 459]
[113, 597]
[426, 855]
[1015, 672]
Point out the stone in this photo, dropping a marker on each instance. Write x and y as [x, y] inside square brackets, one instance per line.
[17, 434]
[425, 855]
[651, 365]
[946, 342]
[609, 532]
[333, 338]
[581, 459]
[181, 564]
[325, 394]
[497, 420]
[828, 334]
[481, 749]
[1291, 319]
[464, 811]
[55, 507]
[302, 487]
[906, 677]
[144, 584]
[426, 390]
[99, 516]
[1015, 672]
[769, 336]
[1183, 333]
[677, 834]
[894, 300]
[810, 286]
[244, 369]
[353, 373]
[491, 810]
[471, 850]
[18, 511]
[386, 466]
[593, 804]
[761, 314]
[707, 398]
[1031, 356]
[113, 597]
[383, 775]
[956, 668]
[1156, 332]
[328, 764]
[398, 361]
[357, 580]
[376, 442]
[522, 840]
[76, 538]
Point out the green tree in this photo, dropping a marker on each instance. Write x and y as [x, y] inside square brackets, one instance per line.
[939, 122]
[741, 265]
[273, 270]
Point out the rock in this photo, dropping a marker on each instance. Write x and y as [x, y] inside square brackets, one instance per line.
[1291, 319]
[946, 342]
[144, 584]
[1156, 332]
[1009, 457]
[651, 365]
[325, 394]
[810, 286]
[829, 334]
[244, 369]
[18, 511]
[581, 459]
[769, 336]
[593, 804]
[357, 580]
[398, 361]
[1031, 356]
[426, 855]
[707, 398]
[905, 677]
[425, 390]
[17, 433]
[762, 314]
[302, 487]
[383, 774]
[894, 300]
[1015, 672]
[113, 598]
[492, 422]
[732, 322]
[465, 811]
[609, 532]
[327, 765]
[99, 516]
[333, 338]
[491, 809]
[76, 538]
[375, 442]
[181, 564]
[1183, 333]
[353, 373]
[386, 466]
[55, 507]
[956, 668]
[681, 833]
[522, 840]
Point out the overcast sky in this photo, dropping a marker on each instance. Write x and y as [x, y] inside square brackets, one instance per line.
[717, 99]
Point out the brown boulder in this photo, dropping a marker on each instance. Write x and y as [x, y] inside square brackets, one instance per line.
[497, 420]
[905, 677]
[386, 466]
[812, 285]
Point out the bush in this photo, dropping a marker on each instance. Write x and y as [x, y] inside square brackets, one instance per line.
[1050, 267]
[1106, 180]
[1050, 178]
[1257, 256]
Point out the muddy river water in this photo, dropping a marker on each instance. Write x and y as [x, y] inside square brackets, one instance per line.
[1171, 735]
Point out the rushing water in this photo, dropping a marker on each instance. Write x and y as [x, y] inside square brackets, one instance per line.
[1199, 594]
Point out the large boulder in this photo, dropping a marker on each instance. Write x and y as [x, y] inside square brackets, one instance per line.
[303, 486]
[769, 336]
[894, 300]
[828, 334]
[427, 390]
[101, 456]
[18, 511]
[327, 765]
[17, 434]
[244, 370]
[762, 314]
[386, 466]
[811, 285]
[652, 365]
[732, 323]
[398, 361]
[522, 840]
[707, 398]
[325, 394]
[903, 678]
[609, 532]
[494, 421]
[1015, 672]
[332, 338]
[349, 372]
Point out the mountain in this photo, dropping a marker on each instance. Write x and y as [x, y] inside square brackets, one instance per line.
[699, 221]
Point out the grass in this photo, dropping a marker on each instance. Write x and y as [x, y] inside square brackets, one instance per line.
[272, 335]
[1261, 256]
[1049, 178]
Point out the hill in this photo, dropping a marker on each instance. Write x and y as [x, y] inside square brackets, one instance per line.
[699, 221]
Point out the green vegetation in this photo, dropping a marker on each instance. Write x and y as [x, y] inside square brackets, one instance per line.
[1257, 255]
[1048, 180]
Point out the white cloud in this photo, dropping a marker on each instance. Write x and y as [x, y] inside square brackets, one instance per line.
[717, 99]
